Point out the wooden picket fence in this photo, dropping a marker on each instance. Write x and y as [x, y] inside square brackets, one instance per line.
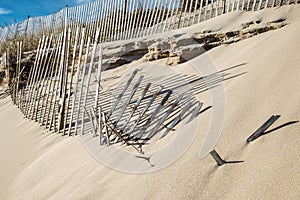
[123, 19]
[63, 94]
[60, 91]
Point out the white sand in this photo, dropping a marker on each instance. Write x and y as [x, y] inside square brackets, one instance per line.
[38, 165]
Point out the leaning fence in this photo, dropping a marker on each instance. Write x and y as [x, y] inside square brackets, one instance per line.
[126, 19]
[58, 90]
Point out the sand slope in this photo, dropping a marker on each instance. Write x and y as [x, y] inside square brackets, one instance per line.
[37, 165]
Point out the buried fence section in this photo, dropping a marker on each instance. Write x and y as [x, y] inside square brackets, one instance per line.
[63, 93]
[137, 114]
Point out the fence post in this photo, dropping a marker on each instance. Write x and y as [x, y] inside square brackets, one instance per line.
[200, 11]
[144, 24]
[77, 78]
[82, 84]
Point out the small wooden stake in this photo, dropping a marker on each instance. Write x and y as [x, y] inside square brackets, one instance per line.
[217, 158]
[264, 127]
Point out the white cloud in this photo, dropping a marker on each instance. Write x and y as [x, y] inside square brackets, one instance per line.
[4, 11]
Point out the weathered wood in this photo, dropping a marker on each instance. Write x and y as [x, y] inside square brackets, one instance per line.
[253, 6]
[99, 71]
[174, 16]
[95, 121]
[106, 129]
[166, 24]
[243, 5]
[159, 17]
[99, 12]
[19, 52]
[264, 127]
[43, 86]
[35, 77]
[100, 133]
[57, 87]
[248, 5]
[154, 17]
[71, 78]
[53, 85]
[109, 20]
[118, 23]
[81, 87]
[120, 136]
[91, 117]
[39, 82]
[77, 78]
[190, 13]
[114, 24]
[32, 75]
[217, 158]
[125, 22]
[105, 15]
[200, 11]
[130, 19]
[211, 9]
[144, 17]
[266, 5]
[89, 76]
[64, 74]
[49, 83]
[217, 8]
[259, 5]
[206, 10]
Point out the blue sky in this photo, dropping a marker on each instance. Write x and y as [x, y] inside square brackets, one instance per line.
[20, 9]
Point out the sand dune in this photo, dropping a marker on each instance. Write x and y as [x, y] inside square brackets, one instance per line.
[262, 79]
